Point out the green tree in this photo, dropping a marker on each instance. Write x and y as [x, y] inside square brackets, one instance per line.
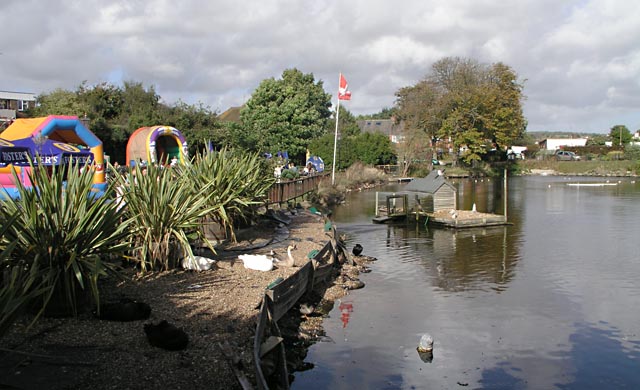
[59, 102]
[385, 113]
[287, 114]
[620, 135]
[478, 107]
[418, 109]
[348, 125]
[323, 148]
[141, 107]
[374, 148]
[197, 123]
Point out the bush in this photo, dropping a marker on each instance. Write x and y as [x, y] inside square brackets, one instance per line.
[165, 208]
[56, 239]
[238, 182]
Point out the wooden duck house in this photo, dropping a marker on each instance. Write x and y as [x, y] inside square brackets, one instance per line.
[433, 193]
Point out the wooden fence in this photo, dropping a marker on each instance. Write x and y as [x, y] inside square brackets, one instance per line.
[286, 190]
[269, 355]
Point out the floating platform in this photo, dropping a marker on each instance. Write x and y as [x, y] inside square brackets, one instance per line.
[389, 219]
[461, 219]
[457, 219]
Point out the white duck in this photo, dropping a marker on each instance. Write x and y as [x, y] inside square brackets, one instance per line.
[257, 262]
[198, 263]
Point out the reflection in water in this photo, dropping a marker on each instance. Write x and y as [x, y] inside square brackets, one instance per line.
[462, 259]
[346, 308]
[550, 301]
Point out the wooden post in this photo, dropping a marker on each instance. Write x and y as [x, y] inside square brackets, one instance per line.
[505, 194]
[377, 204]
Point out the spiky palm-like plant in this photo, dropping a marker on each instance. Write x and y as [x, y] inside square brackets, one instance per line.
[61, 236]
[239, 182]
[166, 210]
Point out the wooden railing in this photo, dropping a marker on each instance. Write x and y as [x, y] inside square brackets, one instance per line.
[290, 189]
[278, 300]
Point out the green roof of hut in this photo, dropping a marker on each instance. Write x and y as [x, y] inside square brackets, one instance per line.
[429, 184]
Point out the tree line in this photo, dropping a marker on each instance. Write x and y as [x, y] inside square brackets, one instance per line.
[476, 107]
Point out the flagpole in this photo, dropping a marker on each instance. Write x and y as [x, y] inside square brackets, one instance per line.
[335, 138]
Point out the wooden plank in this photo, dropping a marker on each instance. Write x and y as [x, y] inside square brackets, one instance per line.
[257, 343]
[285, 294]
[269, 344]
[321, 272]
[236, 364]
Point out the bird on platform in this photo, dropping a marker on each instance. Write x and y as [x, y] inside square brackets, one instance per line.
[357, 250]
[290, 261]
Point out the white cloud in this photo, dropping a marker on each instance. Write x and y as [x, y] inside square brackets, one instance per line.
[580, 58]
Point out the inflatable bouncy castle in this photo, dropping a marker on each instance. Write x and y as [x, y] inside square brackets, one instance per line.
[56, 140]
[157, 144]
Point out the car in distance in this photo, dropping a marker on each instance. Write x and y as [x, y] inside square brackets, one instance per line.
[565, 155]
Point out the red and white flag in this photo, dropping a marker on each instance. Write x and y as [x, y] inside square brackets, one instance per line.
[343, 89]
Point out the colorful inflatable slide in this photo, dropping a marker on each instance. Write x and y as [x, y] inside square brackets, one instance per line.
[53, 139]
[156, 144]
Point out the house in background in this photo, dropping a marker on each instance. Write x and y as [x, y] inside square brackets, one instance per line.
[11, 103]
[231, 115]
[389, 127]
[559, 143]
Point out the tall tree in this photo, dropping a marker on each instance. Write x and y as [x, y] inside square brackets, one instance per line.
[620, 135]
[478, 107]
[59, 102]
[348, 125]
[418, 110]
[286, 114]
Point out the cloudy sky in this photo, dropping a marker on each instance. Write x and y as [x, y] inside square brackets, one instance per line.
[579, 59]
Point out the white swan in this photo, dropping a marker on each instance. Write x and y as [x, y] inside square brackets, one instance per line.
[257, 262]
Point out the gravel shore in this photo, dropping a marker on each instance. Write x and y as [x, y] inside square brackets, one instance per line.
[212, 307]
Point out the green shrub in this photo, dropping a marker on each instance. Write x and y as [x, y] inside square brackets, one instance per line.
[238, 181]
[289, 174]
[615, 155]
[57, 239]
[165, 209]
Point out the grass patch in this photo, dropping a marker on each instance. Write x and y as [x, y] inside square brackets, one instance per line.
[592, 167]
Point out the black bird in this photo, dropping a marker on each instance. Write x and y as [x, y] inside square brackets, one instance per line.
[166, 336]
[357, 250]
[124, 311]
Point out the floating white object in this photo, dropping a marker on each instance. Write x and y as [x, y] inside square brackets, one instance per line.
[591, 184]
[426, 343]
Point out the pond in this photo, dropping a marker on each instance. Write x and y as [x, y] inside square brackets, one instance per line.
[550, 301]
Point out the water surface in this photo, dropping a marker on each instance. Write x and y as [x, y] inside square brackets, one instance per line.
[552, 301]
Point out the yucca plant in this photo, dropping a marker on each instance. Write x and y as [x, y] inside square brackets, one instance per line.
[61, 236]
[19, 285]
[166, 211]
[239, 182]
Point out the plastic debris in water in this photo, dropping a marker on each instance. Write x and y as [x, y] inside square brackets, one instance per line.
[426, 343]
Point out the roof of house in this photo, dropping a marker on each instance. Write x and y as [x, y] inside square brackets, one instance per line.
[11, 95]
[429, 184]
[231, 115]
[385, 126]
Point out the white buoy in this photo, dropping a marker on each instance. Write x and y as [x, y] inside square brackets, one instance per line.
[426, 343]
